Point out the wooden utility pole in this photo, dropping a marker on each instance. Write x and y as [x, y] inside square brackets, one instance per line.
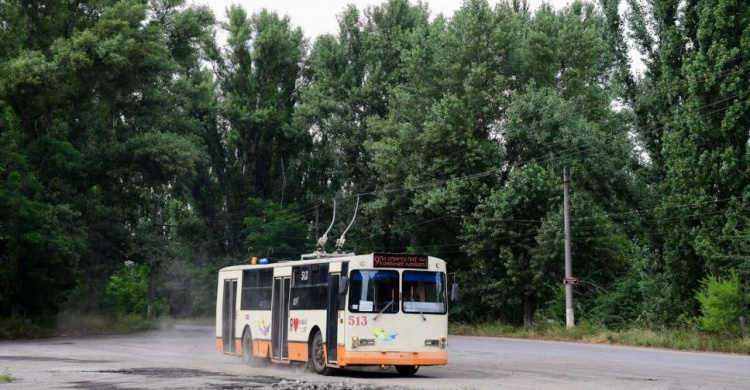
[569, 314]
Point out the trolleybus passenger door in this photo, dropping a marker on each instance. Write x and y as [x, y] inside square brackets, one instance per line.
[228, 313]
[332, 320]
[280, 314]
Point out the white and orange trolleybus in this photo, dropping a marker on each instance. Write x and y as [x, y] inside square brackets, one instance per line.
[333, 312]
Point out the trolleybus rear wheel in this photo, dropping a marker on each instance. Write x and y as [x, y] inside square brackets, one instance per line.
[247, 351]
[318, 356]
[407, 370]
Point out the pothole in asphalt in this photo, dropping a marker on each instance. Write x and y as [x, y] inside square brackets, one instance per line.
[288, 384]
[638, 379]
[164, 373]
[230, 381]
[52, 359]
[237, 381]
[89, 385]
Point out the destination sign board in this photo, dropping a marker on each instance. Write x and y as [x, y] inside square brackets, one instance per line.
[384, 260]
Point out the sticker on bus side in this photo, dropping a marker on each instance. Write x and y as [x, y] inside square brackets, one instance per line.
[263, 327]
[383, 335]
[297, 324]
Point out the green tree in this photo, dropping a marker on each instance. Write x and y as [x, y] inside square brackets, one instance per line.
[721, 304]
[274, 227]
[90, 110]
[258, 81]
[691, 110]
[501, 238]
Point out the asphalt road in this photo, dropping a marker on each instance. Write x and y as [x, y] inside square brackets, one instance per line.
[185, 358]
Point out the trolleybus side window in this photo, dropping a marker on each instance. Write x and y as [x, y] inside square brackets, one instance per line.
[374, 291]
[256, 289]
[299, 294]
[424, 292]
[310, 287]
[318, 286]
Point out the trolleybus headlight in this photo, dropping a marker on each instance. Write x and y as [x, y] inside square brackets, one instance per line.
[435, 343]
[354, 341]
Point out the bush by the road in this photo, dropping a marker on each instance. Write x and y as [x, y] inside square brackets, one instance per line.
[720, 304]
[127, 292]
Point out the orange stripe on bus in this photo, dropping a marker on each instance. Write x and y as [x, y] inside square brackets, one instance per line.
[262, 348]
[298, 351]
[350, 358]
[220, 344]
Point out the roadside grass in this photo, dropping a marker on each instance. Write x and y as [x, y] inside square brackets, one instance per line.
[689, 340]
[22, 328]
[74, 324]
[77, 324]
[7, 377]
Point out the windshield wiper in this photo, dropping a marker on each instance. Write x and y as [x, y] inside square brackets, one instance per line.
[384, 309]
[393, 298]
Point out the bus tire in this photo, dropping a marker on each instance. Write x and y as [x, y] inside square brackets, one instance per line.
[407, 370]
[247, 350]
[318, 356]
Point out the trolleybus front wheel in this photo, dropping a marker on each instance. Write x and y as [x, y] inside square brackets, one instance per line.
[407, 370]
[318, 356]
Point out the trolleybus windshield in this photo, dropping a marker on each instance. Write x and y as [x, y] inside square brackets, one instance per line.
[424, 292]
[374, 291]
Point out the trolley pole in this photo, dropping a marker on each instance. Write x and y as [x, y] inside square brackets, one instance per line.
[317, 223]
[569, 314]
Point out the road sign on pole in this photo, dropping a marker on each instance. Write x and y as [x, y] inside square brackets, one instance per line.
[570, 280]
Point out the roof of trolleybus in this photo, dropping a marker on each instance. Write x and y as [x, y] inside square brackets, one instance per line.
[365, 261]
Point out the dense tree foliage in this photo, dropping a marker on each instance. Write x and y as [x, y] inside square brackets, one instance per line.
[139, 153]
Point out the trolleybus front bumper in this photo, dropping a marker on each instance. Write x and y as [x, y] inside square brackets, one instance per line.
[360, 358]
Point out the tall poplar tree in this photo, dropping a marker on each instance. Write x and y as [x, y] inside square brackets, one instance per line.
[692, 110]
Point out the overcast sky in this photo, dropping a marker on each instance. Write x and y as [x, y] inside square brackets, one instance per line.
[317, 17]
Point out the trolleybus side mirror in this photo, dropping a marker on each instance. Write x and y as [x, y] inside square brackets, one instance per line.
[343, 285]
[454, 292]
